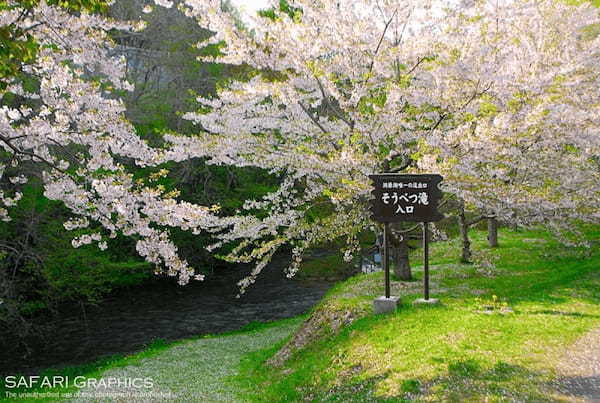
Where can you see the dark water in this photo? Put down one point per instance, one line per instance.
(128, 321)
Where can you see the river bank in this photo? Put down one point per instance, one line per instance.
(129, 320)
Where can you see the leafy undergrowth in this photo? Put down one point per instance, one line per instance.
(503, 324)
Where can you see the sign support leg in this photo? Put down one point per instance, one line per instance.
(386, 258)
(426, 260)
(386, 303)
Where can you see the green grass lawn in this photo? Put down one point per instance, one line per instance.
(503, 325)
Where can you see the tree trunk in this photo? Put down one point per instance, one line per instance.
(401, 262)
(492, 232)
(464, 235)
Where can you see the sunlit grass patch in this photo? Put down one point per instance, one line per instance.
(504, 323)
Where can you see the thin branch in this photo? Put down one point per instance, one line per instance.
(475, 94)
(16, 150)
(439, 121)
(399, 40)
(33, 26)
(64, 148)
(387, 24)
(314, 119)
(416, 65)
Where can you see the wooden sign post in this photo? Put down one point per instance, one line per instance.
(402, 197)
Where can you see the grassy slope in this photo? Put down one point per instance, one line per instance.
(450, 352)
(456, 351)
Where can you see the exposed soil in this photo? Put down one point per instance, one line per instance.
(129, 320)
(579, 371)
(323, 320)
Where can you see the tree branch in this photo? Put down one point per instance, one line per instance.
(314, 119)
(387, 24)
(16, 150)
(338, 113)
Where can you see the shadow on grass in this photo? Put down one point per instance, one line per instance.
(583, 387)
(562, 313)
(465, 380)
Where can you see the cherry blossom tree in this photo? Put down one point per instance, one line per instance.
(500, 99)
(61, 118)
(342, 90)
(527, 151)
(348, 88)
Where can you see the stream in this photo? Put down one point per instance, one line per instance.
(128, 320)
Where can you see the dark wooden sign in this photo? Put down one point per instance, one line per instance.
(404, 197)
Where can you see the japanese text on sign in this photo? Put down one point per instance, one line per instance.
(400, 185)
(394, 199)
(406, 197)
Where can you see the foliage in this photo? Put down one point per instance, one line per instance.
(64, 124)
(17, 47)
(294, 109)
(64, 94)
